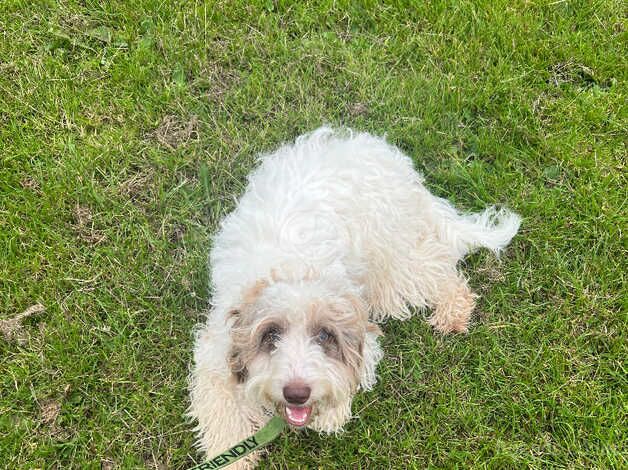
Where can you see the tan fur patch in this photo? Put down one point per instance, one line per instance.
(251, 295)
(374, 328)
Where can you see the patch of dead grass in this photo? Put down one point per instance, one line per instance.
(49, 411)
(30, 184)
(216, 81)
(358, 109)
(174, 132)
(84, 226)
(107, 464)
(13, 330)
(137, 186)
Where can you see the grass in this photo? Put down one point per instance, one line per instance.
(127, 130)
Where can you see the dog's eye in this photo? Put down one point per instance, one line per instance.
(270, 336)
(324, 336)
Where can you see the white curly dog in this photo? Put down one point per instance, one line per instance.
(334, 234)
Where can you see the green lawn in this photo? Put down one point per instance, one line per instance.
(127, 131)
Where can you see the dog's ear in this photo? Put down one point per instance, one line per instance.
(241, 318)
(237, 366)
(351, 349)
(363, 359)
(239, 345)
(350, 320)
(372, 354)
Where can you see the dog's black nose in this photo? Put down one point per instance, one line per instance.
(296, 394)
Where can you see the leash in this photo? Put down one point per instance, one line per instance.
(258, 440)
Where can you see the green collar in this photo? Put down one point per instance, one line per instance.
(258, 440)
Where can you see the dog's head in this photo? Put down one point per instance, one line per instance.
(299, 350)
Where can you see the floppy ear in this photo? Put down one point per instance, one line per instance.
(353, 327)
(236, 353)
(241, 317)
(372, 354)
(351, 346)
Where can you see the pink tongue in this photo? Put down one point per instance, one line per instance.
(298, 415)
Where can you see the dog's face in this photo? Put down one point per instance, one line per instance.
(298, 351)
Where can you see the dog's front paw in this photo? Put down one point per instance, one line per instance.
(450, 324)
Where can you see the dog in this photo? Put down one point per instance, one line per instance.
(335, 233)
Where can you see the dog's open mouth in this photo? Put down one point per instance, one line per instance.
(298, 415)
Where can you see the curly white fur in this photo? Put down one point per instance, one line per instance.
(334, 228)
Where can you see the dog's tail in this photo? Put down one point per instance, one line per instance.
(493, 228)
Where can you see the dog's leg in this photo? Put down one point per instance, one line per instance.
(438, 285)
(452, 306)
(425, 277)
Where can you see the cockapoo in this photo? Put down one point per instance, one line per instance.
(334, 234)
